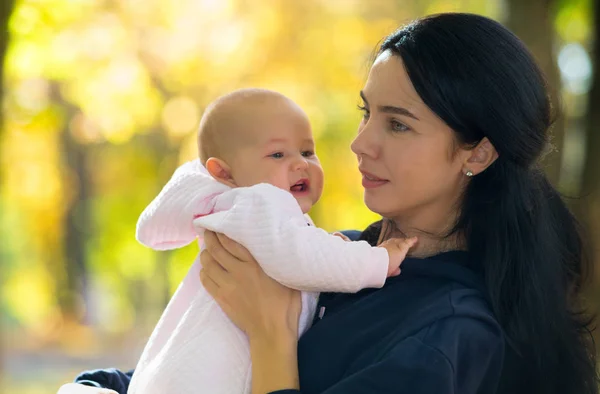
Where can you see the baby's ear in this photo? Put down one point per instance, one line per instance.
(219, 170)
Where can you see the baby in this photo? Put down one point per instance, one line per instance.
(256, 178)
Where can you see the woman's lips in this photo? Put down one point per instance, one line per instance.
(370, 181)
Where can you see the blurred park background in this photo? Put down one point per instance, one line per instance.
(100, 102)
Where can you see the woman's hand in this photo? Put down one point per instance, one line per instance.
(257, 304)
(264, 309)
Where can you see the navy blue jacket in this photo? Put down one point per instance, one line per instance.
(428, 330)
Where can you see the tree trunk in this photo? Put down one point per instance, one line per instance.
(532, 21)
(6, 7)
(72, 277)
(76, 230)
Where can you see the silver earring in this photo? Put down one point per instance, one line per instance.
(469, 173)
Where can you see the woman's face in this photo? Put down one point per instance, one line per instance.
(405, 152)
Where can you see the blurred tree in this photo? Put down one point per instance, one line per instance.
(76, 221)
(539, 38)
(6, 8)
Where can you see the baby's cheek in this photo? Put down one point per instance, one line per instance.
(252, 175)
(316, 191)
(318, 181)
(279, 181)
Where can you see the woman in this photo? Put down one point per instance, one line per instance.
(456, 117)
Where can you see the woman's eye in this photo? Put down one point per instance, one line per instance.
(277, 155)
(365, 110)
(308, 153)
(398, 126)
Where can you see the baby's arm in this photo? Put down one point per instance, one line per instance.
(269, 222)
(166, 223)
(397, 249)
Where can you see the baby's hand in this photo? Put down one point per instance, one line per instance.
(397, 249)
(74, 388)
(342, 236)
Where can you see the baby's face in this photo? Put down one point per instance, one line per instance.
(281, 151)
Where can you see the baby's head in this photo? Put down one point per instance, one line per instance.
(253, 136)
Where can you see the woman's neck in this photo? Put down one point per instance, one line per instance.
(432, 240)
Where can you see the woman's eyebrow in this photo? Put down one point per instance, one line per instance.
(391, 109)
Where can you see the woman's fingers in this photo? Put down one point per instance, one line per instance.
(212, 268)
(210, 285)
(228, 253)
(254, 302)
(217, 251)
(234, 248)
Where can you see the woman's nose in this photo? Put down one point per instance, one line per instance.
(364, 144)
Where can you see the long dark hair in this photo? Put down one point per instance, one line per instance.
(483, 82)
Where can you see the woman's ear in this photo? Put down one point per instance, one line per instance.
(480, 157)
(219, 170)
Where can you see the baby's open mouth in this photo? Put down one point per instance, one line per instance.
(301, 186)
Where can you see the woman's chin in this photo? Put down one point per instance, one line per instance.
(375, 205)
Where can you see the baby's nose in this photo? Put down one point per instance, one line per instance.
(300, 164)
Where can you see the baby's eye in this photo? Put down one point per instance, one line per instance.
(308, 153)
(277, 155)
